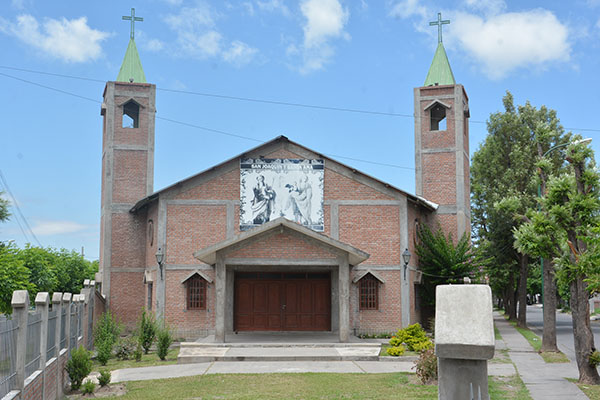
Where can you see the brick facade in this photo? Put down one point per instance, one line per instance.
(203, 211)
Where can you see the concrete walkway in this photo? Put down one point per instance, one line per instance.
(544, 381)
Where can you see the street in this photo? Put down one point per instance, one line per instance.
(564, 329)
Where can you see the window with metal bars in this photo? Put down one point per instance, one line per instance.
(196, 293)
(369, 293)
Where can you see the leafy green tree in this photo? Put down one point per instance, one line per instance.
(570, 218)
(503, 188)
(13, 276)
(4, 213)
(441, 261)
(39, 262)
(71, 269)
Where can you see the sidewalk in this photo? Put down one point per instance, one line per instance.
(544, 381)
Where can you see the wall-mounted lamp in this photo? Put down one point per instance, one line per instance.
(406, 258)
(160, 257)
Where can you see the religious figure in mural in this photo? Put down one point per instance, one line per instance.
(300, 200)
(263, 201)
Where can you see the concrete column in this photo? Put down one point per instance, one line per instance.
(57, 305)
(85, 315)
(20, 306)
(220, 285)
(405, 282)
(344, 297)
(42, 300)
(66, 303)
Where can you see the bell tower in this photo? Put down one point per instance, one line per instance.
(127, 176)
(442, 143)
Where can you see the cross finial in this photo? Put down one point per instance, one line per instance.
(439, 23)
(132, 18)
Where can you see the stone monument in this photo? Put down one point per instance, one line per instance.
(464, 340)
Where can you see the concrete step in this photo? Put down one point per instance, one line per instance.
(202, 352)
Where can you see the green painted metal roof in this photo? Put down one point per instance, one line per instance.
(132, 66)
(440, 72)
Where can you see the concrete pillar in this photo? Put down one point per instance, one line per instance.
(57, 305)
(66, 304)
(464, 340)
(85, 316)
(92, 310)
(344, 297)
(220, 285)
(20, 306)
(42, 301)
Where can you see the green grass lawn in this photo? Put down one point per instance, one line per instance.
(591, 391)
(384, 347)
(306, 386)
(148, 360)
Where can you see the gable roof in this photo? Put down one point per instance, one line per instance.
(208, 255)
(282, 139)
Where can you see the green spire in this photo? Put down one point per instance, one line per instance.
(440, 72)
(131, 69)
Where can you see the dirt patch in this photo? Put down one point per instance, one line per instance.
(117, 389)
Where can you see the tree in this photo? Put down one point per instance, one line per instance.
(441, 261)
(4, 213)
(503, 189)
(40, 264)
(71, 269)
(13, 276)
(570, 218)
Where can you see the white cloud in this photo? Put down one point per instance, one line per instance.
(197, 36)
(506, 42)
(69, 40)
(408, 8)
(239, 53)
(154, 45)
(249, 8)
(325, 20)
(18, 4)
(43, 228)
(272, 6)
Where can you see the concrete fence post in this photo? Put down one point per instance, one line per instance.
(66, 304)
(42, 301)
(80, 318)
(85, 316)
(57, 305)
(20, 306)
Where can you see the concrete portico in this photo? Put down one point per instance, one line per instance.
(303, 251)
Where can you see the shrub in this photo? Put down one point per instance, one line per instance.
(78, 367)
(595, 359)
(125, 348)
(395, 341)
(137, 354)
(104, 378)
(426, 367)
(106, 334)
(103, 351)
(88, 387)
(396, 350)
(164, 340)
(147, 328)
(414, 337)
(107, 329)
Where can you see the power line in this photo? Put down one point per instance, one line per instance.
(264, 101)
(16, 205)
(218, 131)
(19, 222)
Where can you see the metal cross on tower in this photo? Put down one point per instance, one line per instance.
(132, 18)
(439, 23)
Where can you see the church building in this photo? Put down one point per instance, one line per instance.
(281, 237)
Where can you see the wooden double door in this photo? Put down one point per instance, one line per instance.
(268, 301)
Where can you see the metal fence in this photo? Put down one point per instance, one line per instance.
(8, 354)
(63, 326)
(32, 356)
(52, 322)
(29, 338)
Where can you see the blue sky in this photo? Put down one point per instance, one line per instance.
(360, 55)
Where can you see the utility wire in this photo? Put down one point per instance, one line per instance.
(255, 100)
(16, 205)
(19, 221)
(221, 132)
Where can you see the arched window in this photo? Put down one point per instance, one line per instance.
(369, 292)
(438, 118)
(131, 115)
(196, 293)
